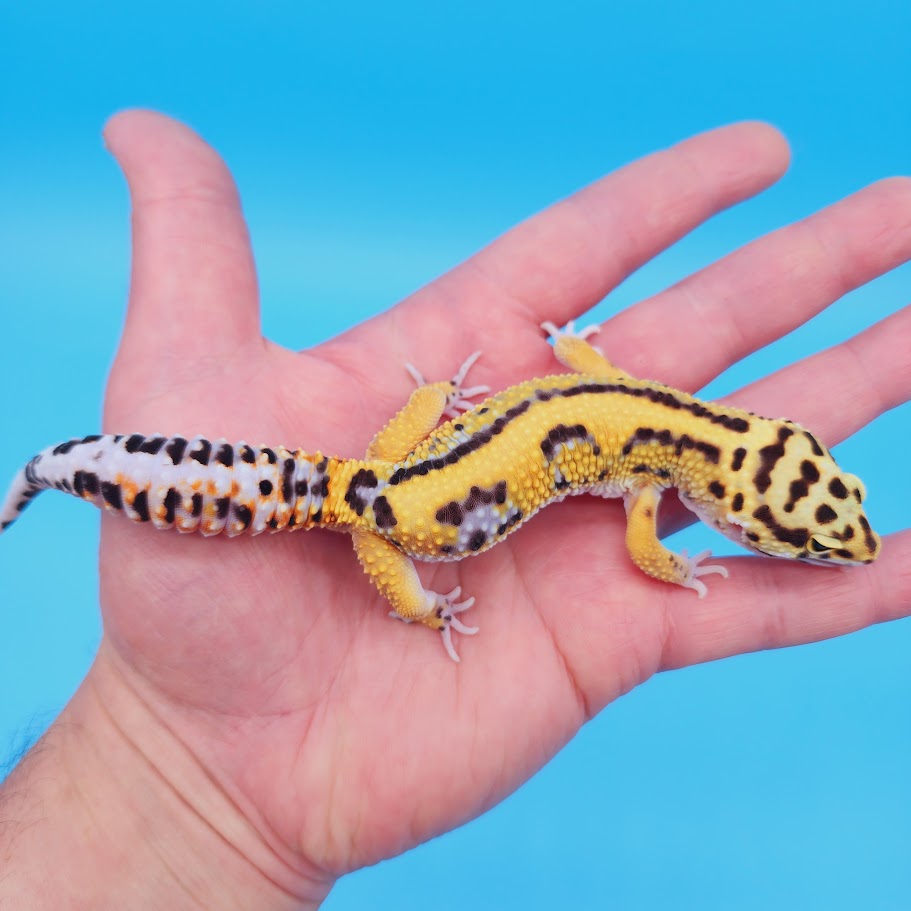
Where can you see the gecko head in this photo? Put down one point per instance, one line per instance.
(815, 514)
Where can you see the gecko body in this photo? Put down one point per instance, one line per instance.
(430, 491)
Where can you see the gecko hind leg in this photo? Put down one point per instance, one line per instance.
(394, 574)
(572, 350)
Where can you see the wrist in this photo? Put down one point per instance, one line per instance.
(110, 809)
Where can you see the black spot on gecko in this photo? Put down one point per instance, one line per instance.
(737, 461)
(450, 514)
(112, 494)
(737, 502)
(171, 502)
(814, 445)
(477, 540)
(244, 515)
(140, 506)
(825, 514)
(247, 454)
(838, 489)
(383, 514)
(869, 540)
(270, 455)
(176, 449)
(64, 448)
(716, 489)
(364, 478)
(225, 455)
(134, 442)
(196, 505)
(90, 483)
(221, 507)
(265, 487)
(153, 445)
(797, 537)
(203, 453)
(769, 456)
(78, 484)
(300, 488)
(287, 486)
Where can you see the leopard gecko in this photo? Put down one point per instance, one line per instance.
(428, 492)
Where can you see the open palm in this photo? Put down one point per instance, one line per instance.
(342, 736)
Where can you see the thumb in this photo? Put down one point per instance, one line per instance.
(193, 289)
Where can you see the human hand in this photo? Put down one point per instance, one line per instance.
(327, 737)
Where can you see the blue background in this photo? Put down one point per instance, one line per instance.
(375, 146)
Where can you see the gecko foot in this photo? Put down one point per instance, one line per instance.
(554, 332)
(457, 400)
(442, 616)
(695, 570)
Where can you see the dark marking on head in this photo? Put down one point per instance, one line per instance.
(848, 533)
(797, 537)
(814, 444)
(825, 514)
(752, 536)
(225, 455)
(809, 472)
(869, 538)
(171, 501)
(265, 487)
(857, 495)
(737, 460)
(140, 506)
(737, 502)
(838, 489)
(844, 553)
(769, 457)
(716, 489)
(383, 514)
(176, 449)
(111, 494)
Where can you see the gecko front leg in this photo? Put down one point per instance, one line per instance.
(650, 555)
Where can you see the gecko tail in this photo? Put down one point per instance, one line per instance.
(23, 490)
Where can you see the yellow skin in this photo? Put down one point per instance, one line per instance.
(767, 484)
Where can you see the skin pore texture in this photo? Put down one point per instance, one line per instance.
(254, 726)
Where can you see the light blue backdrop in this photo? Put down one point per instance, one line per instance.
(375, 146)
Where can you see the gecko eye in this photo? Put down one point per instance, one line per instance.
(821, 543)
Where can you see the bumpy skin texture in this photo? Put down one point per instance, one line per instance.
(462, 487)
